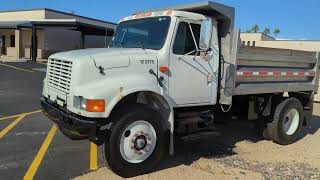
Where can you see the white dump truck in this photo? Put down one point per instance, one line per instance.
(170, 73)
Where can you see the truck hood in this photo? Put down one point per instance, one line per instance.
(105, 57)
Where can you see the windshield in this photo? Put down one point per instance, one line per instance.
(146, 33)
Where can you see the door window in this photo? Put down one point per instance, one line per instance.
(184, 43)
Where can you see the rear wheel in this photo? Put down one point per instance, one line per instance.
(138, 141)
(287, 122)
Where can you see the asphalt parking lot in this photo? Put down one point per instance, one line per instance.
(31, 146)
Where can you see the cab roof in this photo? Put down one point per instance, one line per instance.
(224, 14)
(163, 13)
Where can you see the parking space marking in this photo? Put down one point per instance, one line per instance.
(12, 125)
(93, 156)
(37, 160)
(28, 113)
(21, 69)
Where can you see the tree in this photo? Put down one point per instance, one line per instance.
(248, 31)
(276, 31)
(255, 28)
(266, 31)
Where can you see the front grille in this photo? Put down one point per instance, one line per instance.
(59, 74)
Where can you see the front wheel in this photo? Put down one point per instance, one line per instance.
(138, 141)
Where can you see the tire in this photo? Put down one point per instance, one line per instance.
(287, 122)
(119, 158)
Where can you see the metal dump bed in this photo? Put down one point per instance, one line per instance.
(268, 70)
(259, 70)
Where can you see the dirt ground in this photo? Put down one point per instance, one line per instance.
(237, 153)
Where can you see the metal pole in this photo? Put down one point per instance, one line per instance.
(82, 40)
(34, 43)
(105, 39)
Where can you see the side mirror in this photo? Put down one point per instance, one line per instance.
(205, 34)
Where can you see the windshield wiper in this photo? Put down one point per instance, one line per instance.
(124, 33)
(141, 44)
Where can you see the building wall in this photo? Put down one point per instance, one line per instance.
(50, 40)
(8, 50)
(263, 40)
(256, 37)
(25, 43)
(96, 41)
(59, 39)
(22, 15)
(250, 36)
(296, 45)
(7, 34)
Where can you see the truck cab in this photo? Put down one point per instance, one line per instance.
(159, 65)
(154, 58)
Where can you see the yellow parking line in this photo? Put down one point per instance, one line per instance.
(21, 69)
(28, 113)
(93, 157)
(10, 126)
(37, 160)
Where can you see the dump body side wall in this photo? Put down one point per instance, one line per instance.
(269, 70)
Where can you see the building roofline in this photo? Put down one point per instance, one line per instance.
(61, 12)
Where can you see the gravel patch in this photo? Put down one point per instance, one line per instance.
(272, 170)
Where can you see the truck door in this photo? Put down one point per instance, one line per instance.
(191, 79)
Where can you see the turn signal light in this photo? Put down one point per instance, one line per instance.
(163, 69)
(95, 105)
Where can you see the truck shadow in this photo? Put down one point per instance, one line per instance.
(222, 143)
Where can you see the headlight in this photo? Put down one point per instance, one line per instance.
(79, 102)
(89, 105)
(83, 103)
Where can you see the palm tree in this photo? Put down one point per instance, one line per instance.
(266, 31)
(276, 31)
(255, 28)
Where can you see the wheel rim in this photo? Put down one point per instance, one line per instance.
(291, 121)
(138, 141)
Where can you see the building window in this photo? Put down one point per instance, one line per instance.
(248, 43)
(184, 43)
(12, 41)
(243, 43)
(253, 43)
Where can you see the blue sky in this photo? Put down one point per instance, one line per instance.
(297, 19)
